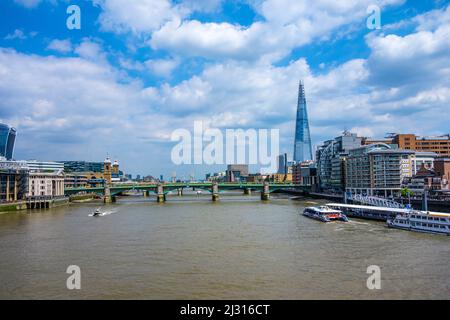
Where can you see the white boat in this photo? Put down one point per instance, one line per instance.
(324, 214)
(430, 222)
(96, 213)
(368, 212)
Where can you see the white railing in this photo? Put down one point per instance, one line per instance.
(375, 201)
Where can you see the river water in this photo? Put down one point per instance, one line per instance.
(192, 248)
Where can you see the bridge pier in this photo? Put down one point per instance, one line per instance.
(215, 191)
(265, 193)
(146, 194)
(108, 198)
(180, 192)
(160, 197)
(247, 191)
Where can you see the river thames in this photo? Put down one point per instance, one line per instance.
(192, 248)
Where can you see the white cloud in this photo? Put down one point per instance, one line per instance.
(90, 50)
(135, 15)
(17, 34)
(28, 3)
(288, 24)
(162, 67)
(62, 46)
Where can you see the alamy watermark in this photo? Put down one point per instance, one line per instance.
(374, 20)
(237, 146)
(74, 20)
(374, 280)
(73, 282)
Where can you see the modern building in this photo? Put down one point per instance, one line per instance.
(237, 173)
(305, 173)
(436, 144)
(378, 169)
(45, 166)
(302, 144)
(7, 139)
(282, 164)
(82, 166)
(13, 180)
(331, 158)
(75, 180)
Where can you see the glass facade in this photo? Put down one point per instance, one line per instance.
(7, 139)
(82, 166)
(302, 147)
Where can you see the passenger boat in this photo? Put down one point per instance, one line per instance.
(368, 212)
(421, 221)
(324, 214)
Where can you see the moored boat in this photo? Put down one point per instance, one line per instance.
(422, 221)
(324, 214)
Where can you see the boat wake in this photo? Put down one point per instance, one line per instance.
(106, 213)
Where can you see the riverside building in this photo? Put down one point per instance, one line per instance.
(13, 180)
(378, 169)
(435, 144)
(331, 160)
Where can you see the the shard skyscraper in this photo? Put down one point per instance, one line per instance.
(302, 148)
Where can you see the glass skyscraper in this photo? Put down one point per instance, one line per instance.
(302, 147)
(7, 138)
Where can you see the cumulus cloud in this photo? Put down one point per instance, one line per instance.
(273, 38)
(62, 46)
(162, 67)
(17, 34)
(28, 3)
(135, 15)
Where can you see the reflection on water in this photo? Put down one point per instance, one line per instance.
(192, 248)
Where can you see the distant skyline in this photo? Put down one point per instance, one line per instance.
(139, 69)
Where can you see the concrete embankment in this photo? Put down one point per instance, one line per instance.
(13, 207)
(43, 204)
(82, 198)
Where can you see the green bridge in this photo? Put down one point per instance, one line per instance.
(161, 190)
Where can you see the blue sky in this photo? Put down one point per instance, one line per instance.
(137, 70)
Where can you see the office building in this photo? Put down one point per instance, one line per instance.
(436, 144)
(13, 180)
(378, 169)
(7, 139)
(302, 144)
(237, 173)
(82, 166)
(305, 174)
(282, 164)
(75, 180)
(331, 158)
(45, 166)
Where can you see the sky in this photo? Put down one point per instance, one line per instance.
(137, 70)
